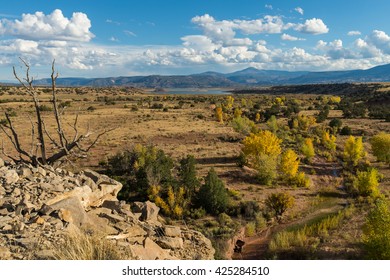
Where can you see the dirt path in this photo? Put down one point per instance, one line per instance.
(255, 247)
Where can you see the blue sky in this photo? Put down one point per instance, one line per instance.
(90, 38)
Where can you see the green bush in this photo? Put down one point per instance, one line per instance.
(213, 195)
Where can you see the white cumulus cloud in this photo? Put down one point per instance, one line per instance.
(54, 26)
(299, 10)
(354, 33)
(287, 37)
(312, 26)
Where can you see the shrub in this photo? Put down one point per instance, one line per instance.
(278, 203)
(346, 130)
(243, 125)
(250, 229)
(336, 124)
(301, 180)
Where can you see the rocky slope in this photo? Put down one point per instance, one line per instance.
(39, 206)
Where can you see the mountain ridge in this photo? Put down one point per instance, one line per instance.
(243, 78)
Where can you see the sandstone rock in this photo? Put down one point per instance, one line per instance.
(71, 211)
(170, 242)
(16, 192)
(44, 255)
(41, 171)
(83, 194)
(5, 253)
(150, 212)
(112, 204)
(172, 231)
(3, 211)
(150, 251)
(66, 216)
(45, 210)
(112, 217)
(92, 175)
(10, 176)
(136, 231)
(2, 163)
(25, 172)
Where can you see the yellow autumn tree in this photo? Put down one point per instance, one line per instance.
(219, 114)
(329, 141)
(307, 149)
(366, 182)
(257, 117)
(262, 150)
(289, 164)
(263, 142)
(229, 102)
(353, 151)
(173, 204)
(237, 112)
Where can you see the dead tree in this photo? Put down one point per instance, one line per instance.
(63, 146)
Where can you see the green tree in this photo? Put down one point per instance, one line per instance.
(188, 176)
(380, 145)
(213, 196)
(376, 231)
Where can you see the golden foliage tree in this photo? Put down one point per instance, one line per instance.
(380, 145)
(262, 150)
(366, 183)
(263, 142)
(307, 149)
(219, 114)
(329, 141)
(289, 164)
(229, 102)
(353, 151)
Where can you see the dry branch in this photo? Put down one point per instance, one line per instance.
(62, 146)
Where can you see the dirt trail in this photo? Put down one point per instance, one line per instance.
(255, 247)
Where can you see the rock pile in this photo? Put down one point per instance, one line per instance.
(38, 206)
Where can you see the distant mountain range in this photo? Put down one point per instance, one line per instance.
(244, 78)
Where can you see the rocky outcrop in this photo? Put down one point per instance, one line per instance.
(38, 206)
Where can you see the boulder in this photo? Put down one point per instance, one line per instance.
(172, 231)
(71, 211)
(10, 176)
(173, 243)
(150, 251)
(150, 212)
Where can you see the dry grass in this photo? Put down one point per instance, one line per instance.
(83, 246)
